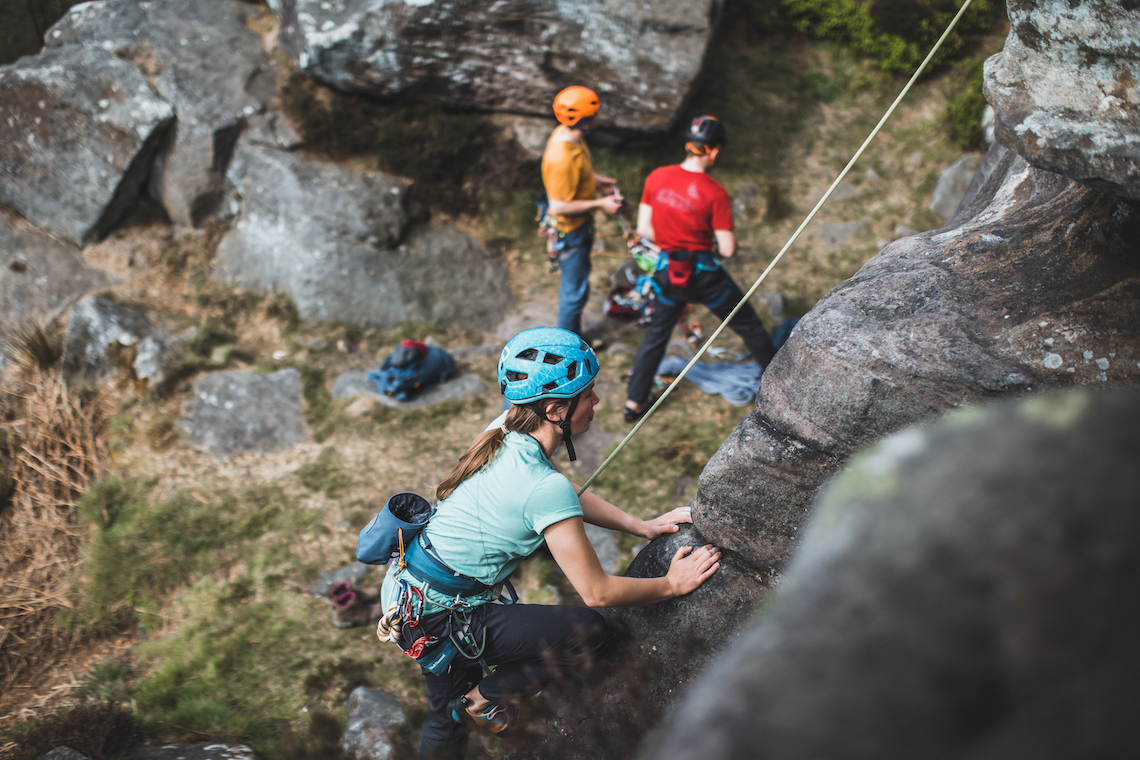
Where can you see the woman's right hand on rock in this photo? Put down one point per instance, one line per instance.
(691, 567)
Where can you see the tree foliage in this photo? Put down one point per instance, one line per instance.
(897, 33)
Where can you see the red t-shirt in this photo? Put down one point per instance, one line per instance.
(687, 207)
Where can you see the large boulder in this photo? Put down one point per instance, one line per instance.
(1034, 285)
(336, 239)
(79, 129)
(642, 56)
(965, 590)
(675, 640)
(234, 412)
(96, 324)
(40, 276)
(372, 717)
(1066, 90)
(952, 185)
(652, 654)
(201, 58)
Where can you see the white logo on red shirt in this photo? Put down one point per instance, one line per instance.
(667, 196)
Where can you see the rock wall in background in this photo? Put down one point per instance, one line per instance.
(1035, 284)
(201, 58)
(1066, 90)
(643, 58)
(79, 130)
(339, 242)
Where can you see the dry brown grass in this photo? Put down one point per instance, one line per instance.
(56, 444)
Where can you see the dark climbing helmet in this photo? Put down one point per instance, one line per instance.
(545, 363)
(705, 133)
(574, 104)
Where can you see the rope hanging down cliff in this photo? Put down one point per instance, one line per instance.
(795, 236)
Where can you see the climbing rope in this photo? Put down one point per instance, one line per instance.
(795, 236)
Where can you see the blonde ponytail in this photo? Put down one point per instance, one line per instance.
(520, 419)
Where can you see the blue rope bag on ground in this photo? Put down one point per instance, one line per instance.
(412, 367)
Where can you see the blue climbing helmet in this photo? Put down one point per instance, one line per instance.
(545, 363)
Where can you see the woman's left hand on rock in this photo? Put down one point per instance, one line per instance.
(667, 523)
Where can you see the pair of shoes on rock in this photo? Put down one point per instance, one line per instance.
(493, 718)
(344, 595)
(362, 614)
(353, 607)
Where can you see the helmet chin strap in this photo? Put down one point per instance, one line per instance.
(563, 424)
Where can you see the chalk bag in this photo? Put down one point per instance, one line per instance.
(380, 540)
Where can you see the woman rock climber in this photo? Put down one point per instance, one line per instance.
(500, 503)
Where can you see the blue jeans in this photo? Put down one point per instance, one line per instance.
(574, 261)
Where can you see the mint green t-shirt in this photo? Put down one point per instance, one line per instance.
(495, 519)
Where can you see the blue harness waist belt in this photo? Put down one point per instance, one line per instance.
(427, 568)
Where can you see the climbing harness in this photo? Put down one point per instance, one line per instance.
(642, 249)
(403, 614)
(791, 241)
(547, 229)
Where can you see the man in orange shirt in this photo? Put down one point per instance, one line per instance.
(571, 184)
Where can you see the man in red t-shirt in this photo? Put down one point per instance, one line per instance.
(688, 215)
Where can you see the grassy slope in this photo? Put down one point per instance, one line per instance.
(219, 643)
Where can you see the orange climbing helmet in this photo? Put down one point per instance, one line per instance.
(574, 104)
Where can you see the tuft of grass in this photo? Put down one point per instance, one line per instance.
(102, 731)
(211, 349)
(324, 475)
(242, 667)
(55, 446)
(107, 681)
(283, 309)
(962, 118)
(140, 552)
(33, 348)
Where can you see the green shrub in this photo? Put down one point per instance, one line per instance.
(896, 33)
(244, 664)
(98, 731)
(963, 115)
(139, 553)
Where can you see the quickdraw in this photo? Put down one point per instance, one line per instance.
(388, 628)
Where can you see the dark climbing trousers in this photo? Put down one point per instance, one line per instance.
(531, 644)
(717, 291)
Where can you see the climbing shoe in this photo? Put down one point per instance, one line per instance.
(493, 718)
(631, 416)
(360, 614)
